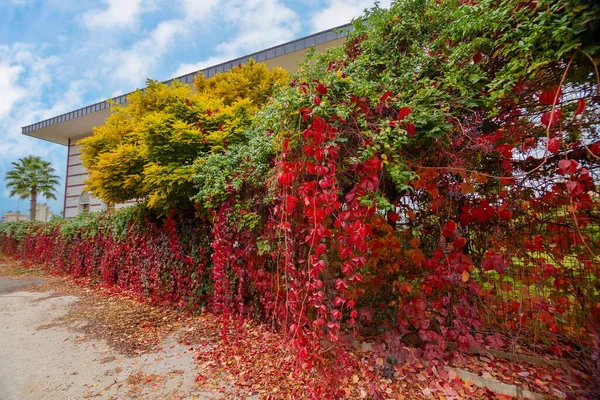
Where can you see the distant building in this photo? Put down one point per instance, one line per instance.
(42, 213)
(14, 217)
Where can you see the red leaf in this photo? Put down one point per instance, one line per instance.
(547, 96)
(290, 204)
(393, 217)
(336, 314)
(493, 262)
(405, 288)
(338, 301)
(567, 166)
(553, 145)
(410, 128)
(549, 269)
(321, 248)
(385, 96)
(317, 100)
(403, 113)
(347, 268)
(286, 178)
(321, 89)
(550, 119)
(306, 112)
(341, 284)
(370, 183)
(503, 212)
(449, 228)
(574, 187)
(580, 106)
(477, 57)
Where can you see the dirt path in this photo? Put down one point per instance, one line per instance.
(40, 359)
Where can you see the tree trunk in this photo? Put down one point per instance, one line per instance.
(33, 205)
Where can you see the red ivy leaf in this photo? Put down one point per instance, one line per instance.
(574, 187)
(553, 145)
(580, 106)
(336, 314)
(340, 285)
(567, 166)
(290, 204)
(338, 301)
(493, 262)
(449, 228)
(405, 288)
(504, 213)
(370, 183)
(547, 96)
(321, 249)
(286, 178)
(550, 119)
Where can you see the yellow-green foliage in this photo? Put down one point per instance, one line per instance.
(253, 81)
(148, 149)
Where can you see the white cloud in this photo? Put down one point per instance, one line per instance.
(11, 93)
(134, 65)
(198, 10)
(340, 12)
(23, 73)
(117, 14)
(258, 24)
(26, 76)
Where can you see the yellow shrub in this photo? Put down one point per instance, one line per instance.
(146, 150)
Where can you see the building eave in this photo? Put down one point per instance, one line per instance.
(80, 122)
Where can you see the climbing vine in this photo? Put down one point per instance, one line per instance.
(432, 181)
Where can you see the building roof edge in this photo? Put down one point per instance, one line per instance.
(260, 56)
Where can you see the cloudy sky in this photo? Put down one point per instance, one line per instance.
(59, 55)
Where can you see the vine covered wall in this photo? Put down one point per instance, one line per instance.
(435, 177)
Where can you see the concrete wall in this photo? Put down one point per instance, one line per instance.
(75, 184)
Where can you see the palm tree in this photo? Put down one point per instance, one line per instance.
(30, 177)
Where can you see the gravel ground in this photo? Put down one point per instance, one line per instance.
(43, 359)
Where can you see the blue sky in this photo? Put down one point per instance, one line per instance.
(59, 55)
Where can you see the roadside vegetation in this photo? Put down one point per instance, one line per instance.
(432, 182)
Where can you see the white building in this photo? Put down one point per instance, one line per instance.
(15, 216)
(42, 213)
